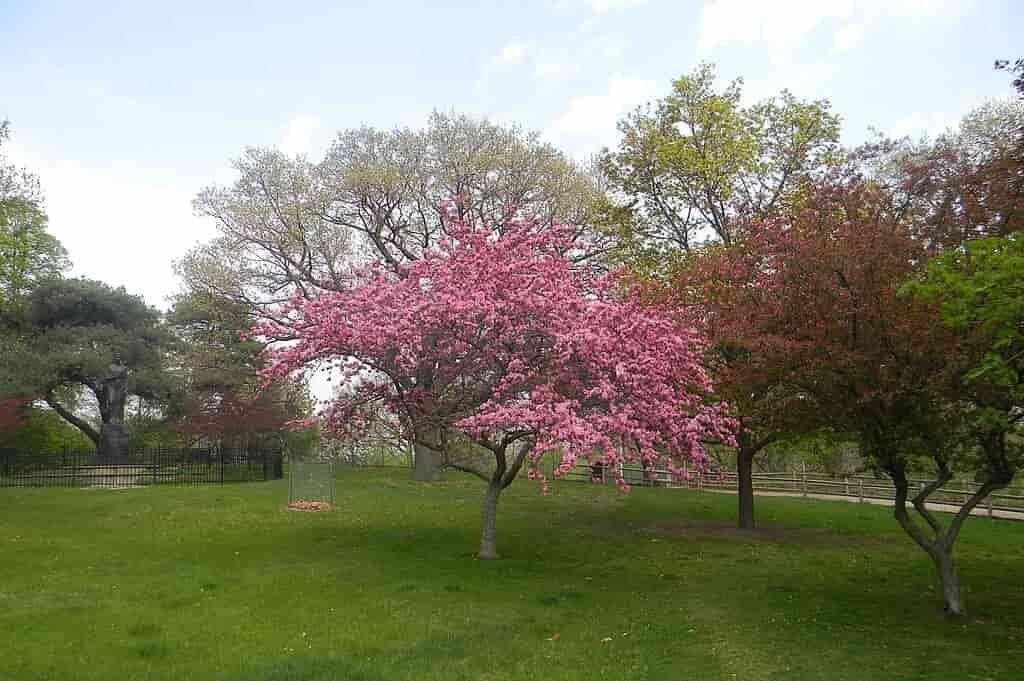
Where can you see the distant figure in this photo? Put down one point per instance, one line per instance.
(597, 470)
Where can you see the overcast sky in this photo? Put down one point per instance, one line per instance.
(127, 110)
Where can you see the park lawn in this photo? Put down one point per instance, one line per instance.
(221, 582)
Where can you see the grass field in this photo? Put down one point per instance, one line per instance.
(223, 583)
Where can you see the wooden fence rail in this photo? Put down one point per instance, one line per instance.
(806, 484)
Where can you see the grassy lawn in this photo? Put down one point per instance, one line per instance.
(223, 583)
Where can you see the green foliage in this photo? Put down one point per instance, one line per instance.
(44, 431)
(697, 165)
(75, 329)
(75, 335)
(212, 353)
(27, 251)
(149, 428)
(289, 225)
(980, 287)
(220, 396)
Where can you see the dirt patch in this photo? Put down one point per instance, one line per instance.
(776, 534)
(301, 505)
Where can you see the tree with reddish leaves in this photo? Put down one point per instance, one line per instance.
(219, 399)
(234, 420)
(12, 415)
(820, 294)
(767, 405)
(497, 339)
(967, 183)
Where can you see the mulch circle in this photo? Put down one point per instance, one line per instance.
(301, 505)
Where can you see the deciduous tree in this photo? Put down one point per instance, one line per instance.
(825, 283)
(495, 336)
(697, 164)
(82, 334)
(27, 251)
(697, 168)
(218, 398)
(288, 225)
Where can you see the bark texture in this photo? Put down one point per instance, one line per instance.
(505, 471)
(426, 463)
(938, 540)
(489, 524)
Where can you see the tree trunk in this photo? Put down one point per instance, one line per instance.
(951, 596)
(426, 463)
(489, 517)
(745, 485)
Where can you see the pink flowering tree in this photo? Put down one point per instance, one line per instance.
(499, 339)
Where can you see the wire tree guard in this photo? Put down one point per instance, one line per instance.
(311, 486)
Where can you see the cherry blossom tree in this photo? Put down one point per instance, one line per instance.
(497, 338)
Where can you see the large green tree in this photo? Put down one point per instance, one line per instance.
(27, 251)
(980, 287)
(219, 397)
(695, 172)
(697, 164)
(81, 335)
(289, 226)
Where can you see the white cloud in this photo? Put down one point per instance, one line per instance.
(589, 122)
(121, 223)
(784, 23)
(602, 6)
(777, 23)
(555, 67)
(596, 6)
(928, 123)
(299, 135)
(512, 54)
(847, 38)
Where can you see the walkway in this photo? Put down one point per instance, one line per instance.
(980, 510)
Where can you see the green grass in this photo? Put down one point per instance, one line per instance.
(223, 583)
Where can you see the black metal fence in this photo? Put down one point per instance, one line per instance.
(136, 469)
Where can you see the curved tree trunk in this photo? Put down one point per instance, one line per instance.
(745, 485)
(489, 518)
(939, 545)
(70, 417)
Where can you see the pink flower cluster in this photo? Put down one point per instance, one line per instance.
(497, 334)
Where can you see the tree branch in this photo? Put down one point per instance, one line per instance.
(468, 469)
(82, 425)
(965, 510)
(517, 464)
(919, 500)
(899, 479)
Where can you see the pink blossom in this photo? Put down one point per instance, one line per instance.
(497, 334)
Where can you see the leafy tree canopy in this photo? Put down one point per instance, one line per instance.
(696, 163)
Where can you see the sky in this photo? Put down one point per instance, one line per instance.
(126, 110)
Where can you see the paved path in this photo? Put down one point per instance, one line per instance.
(980, 510)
